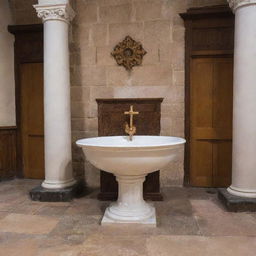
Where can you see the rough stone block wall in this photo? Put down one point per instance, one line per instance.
(98, 26)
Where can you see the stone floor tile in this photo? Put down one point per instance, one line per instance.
(28, 224)
(227, 225)
(14, 237)
(51, 242)
(166, 225)
(6, 207)
(107, 245)
(91, 193)
(25, 182)
(26, 247)
(48, 210)
(189, 221)
(62, 250)
(22, 186)
(26, 207)
(178, 225)
(54, 203)
(178, 207)
(173, 193)
(202, 207)
(12, 196)
(13, 202)
(73, 230)
(253, 214)
(87, 207)
(2, 215)
(215, 221)
(200, 246)
(200, 193)
(5, 186)
(128, 230)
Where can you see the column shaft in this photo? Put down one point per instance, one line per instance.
(57, 118)
(58, 161)
(130, 190)
(244, 106)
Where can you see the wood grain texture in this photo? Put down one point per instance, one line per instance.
(111, 120)
(209, 43)
(32, 119)
(211, 121)
(28, 48)
(7, 152)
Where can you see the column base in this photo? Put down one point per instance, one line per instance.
(235, 203)
(242, 192)
(42, 194)
(58, 184)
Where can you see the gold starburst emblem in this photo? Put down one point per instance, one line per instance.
(128, 53)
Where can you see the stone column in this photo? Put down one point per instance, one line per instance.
(244, 106)
(56, 16)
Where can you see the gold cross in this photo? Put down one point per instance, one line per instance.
(131, 113)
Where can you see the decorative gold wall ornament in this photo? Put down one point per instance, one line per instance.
(128, 53)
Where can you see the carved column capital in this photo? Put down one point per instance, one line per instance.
(62, 12)
(234, 4)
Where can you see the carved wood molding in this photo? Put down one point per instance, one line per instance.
(128, 53)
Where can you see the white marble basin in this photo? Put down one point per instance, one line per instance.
(130, 162)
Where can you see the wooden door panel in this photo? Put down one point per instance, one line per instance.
(32, 116)
(211, 121)
(36, 107)
(222, 159)
(35, 153)
(212, 133)
(202, 85)
(223, 95)
(201, 163)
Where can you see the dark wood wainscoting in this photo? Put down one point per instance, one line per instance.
(7, 152)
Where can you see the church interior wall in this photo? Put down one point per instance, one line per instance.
(98, 26)
(7, 85)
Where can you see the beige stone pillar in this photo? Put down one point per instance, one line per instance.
(244, 106)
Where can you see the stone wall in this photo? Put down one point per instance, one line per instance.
(97, 28)
(99, 25)
(7, 91)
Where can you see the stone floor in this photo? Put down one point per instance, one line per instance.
(190, 222)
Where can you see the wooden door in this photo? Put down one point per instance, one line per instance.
(211, 121)
(32, 120)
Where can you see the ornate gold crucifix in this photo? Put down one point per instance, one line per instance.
(131, 130)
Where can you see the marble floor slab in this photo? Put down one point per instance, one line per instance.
(190, 221)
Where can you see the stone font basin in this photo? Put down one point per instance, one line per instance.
(130, 162)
